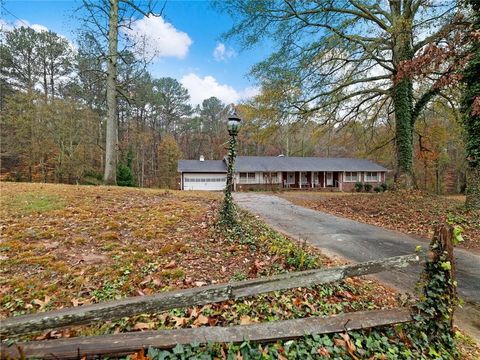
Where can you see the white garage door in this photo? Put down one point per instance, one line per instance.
(204, 181)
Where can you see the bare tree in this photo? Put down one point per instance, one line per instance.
(106, 18)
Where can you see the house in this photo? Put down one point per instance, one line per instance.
(276, 172)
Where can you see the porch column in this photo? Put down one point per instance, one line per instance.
(311, 179)
(324, 180)
(300, 179)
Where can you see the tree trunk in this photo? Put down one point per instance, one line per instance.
(52, 81)
(45, 86)
(402, 102)
(110, 176)
(473, 188)
(402, 96)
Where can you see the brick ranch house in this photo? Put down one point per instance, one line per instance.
(280, 172)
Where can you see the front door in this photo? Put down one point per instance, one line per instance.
(329, 178)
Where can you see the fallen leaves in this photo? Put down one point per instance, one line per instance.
(42, 303)
(410, 212)
(143, 326)
(200, 320)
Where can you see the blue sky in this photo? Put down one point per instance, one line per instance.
(187, 37)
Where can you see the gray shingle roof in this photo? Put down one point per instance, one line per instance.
(280, 163)
(287, 163)
(207, 166)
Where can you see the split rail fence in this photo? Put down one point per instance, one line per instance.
(125, 343)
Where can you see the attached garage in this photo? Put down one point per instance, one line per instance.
(211, 182)
(209, 175)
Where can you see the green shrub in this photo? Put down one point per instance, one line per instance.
(358, 186)
(367, 187)
(124, 176)
(377, 189)
(383, 186)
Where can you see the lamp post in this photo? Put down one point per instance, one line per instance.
(228, 211)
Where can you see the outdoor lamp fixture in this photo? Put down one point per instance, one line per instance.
(233, 123)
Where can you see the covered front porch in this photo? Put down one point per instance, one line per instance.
(312, 180)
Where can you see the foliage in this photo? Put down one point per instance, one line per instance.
(124, 175)
(124, 171)
(358, 186)
(433, 329)
(31, 58)
(52, 141)
(430, 337)
(228, 213)
(367, 187)
(168, 155)
(471, 111)
(144, 244)
(343, 61)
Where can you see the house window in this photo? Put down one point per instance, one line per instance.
(247, 178)
(351, 176)
(304, 178)
(270, 178)
(371, 176)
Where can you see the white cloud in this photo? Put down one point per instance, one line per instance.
(36, 27)
(222, 53)
(249, 92)
(201, 88)
(161, 39)
(4, 26)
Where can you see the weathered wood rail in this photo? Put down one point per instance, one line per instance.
(122, 344)
(113, 310)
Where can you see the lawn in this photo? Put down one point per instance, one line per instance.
(410, 212)
(66, 245)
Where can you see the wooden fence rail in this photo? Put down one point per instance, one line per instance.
(126, 343)
(113, 310)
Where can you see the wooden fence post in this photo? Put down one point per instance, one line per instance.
(442, 259)
(436, 307)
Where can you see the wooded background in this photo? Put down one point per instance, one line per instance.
(54, 108)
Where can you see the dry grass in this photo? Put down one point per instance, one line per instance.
(79, 244)
(65, 245)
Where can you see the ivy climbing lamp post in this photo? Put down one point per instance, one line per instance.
(228, 210)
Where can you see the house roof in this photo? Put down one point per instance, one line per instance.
(280, 163)
(288, 163)
(206, 166)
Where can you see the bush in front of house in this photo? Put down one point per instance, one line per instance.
(383, 186)
(358, 186)
(377, 189)
(367, 187)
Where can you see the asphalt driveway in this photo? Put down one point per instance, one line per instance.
(358, 242)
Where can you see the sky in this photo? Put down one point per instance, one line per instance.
(187, 41)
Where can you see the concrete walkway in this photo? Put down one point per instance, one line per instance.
(358, 242)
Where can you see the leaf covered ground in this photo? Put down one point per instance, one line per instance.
(410, 212)
(66, 245)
